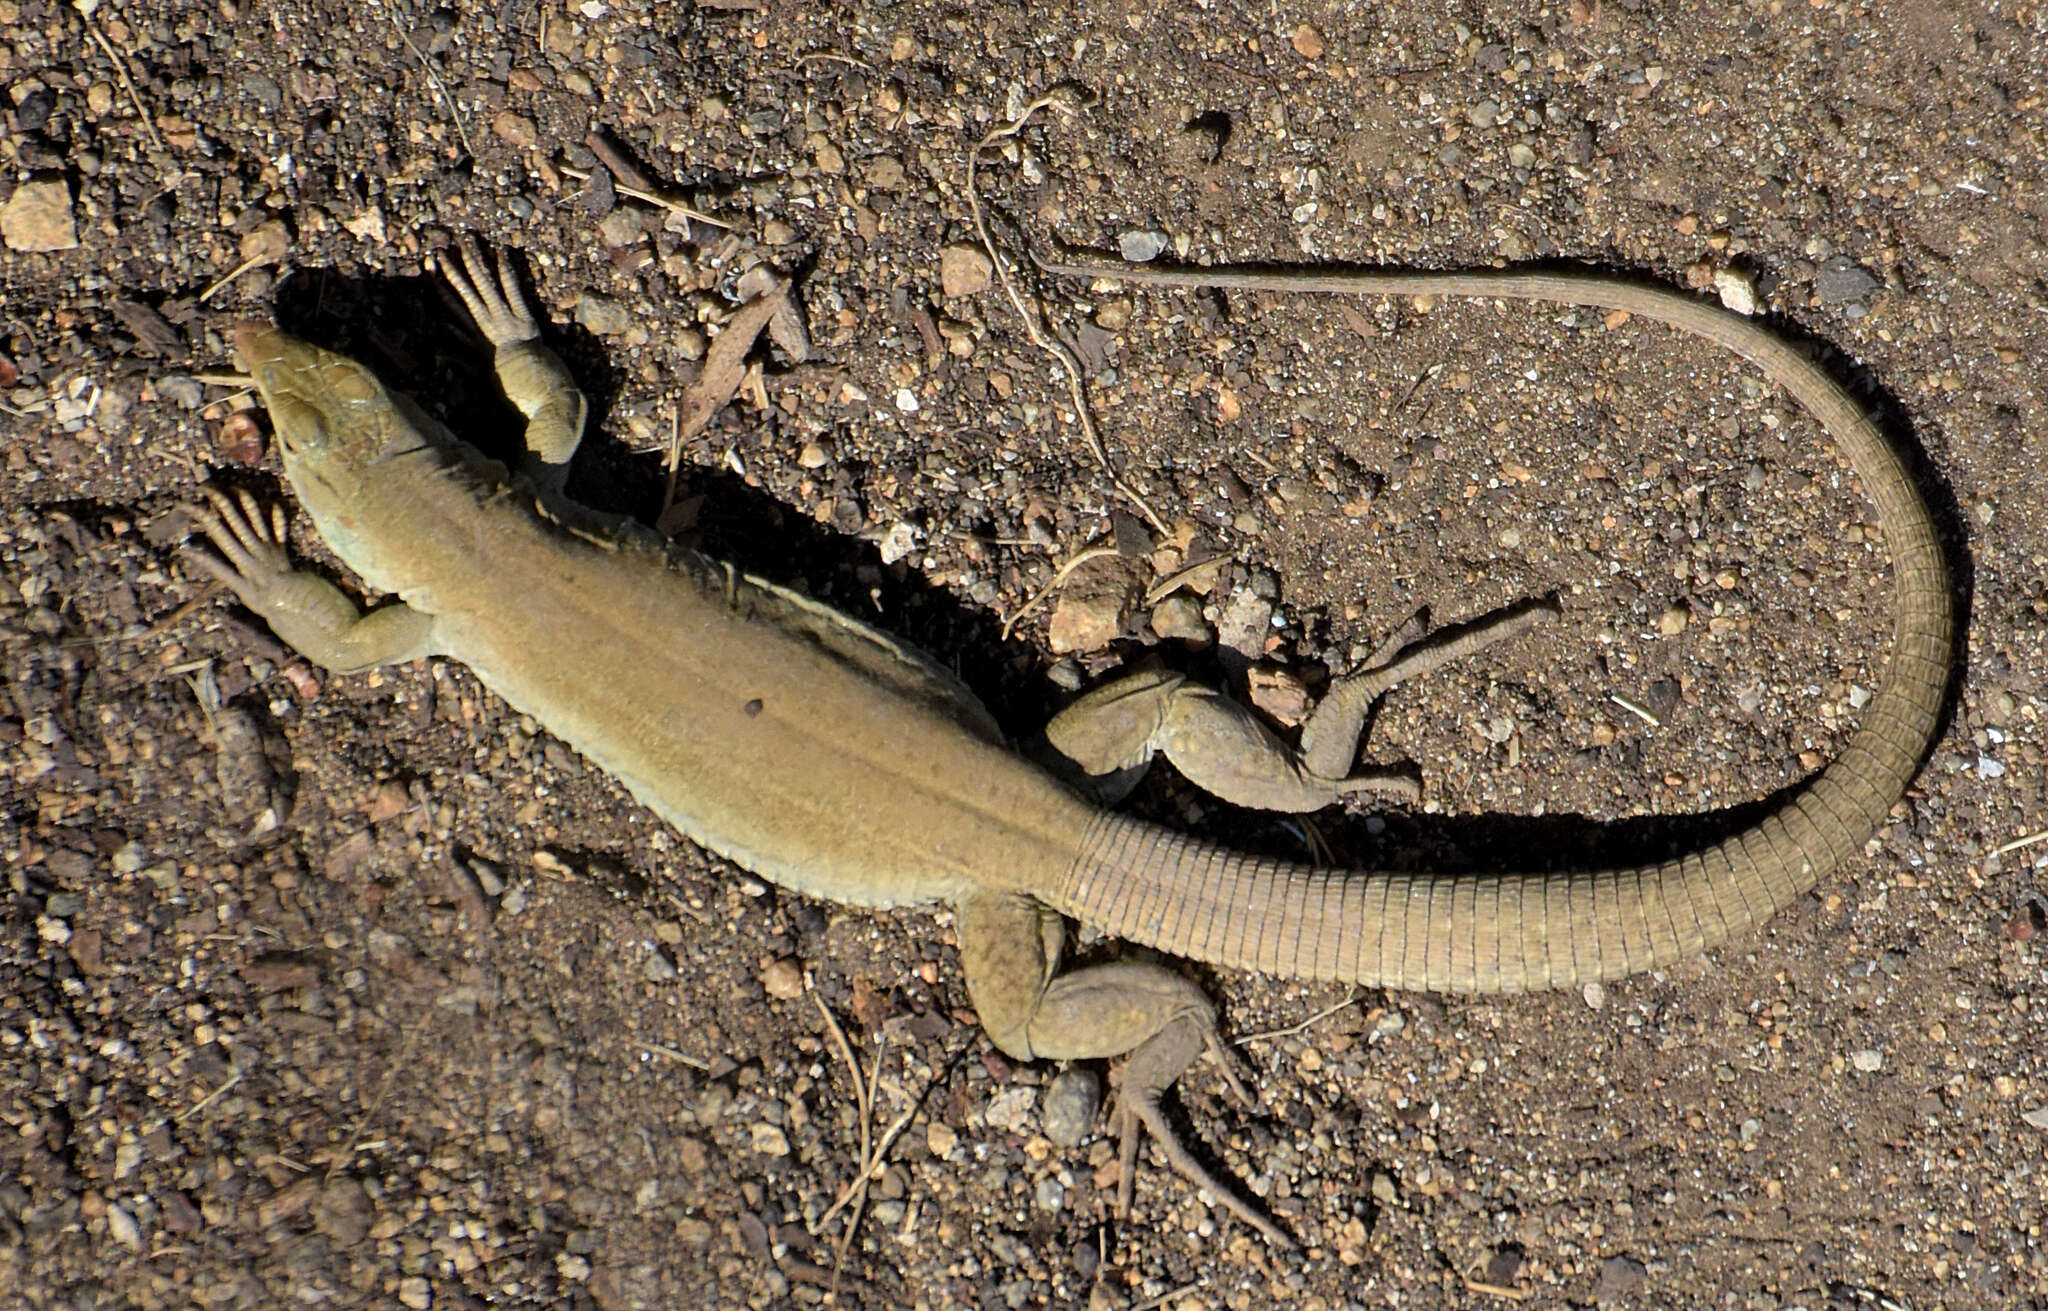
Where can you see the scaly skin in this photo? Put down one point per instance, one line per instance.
(820, 753)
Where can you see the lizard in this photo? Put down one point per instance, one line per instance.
(825, 756)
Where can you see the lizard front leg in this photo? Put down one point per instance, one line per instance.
(308, 612)
(532, 377)
(1010, 947)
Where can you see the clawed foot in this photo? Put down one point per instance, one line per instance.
(248, 554)
(491, 294)
(1138, 1112)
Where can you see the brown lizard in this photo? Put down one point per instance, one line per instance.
(822, 754)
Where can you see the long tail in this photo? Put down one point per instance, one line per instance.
(1467, 932)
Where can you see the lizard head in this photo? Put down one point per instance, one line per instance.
(327, 409)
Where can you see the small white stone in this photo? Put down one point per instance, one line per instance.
(1737, 289)
(123, 1227)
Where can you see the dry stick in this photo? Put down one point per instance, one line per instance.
(454, 110)
(207, 1100)
(355, 1135)
(870, 1165)
(860, 1099)
(1309, 1023)
(1034, 319)
(1639, 712)
(1494, 1290)
(656, 1049)
(2018, 843)
(1066, 570)
(832, 57)
(121, 71)
(1152, 1303)
(660, 199)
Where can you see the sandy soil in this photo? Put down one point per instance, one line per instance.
(363, 991)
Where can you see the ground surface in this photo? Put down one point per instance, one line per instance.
(361, 991)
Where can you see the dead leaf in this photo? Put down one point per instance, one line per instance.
(725, 364)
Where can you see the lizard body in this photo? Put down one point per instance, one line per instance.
(826, 756)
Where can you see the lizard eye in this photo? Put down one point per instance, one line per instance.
(299, 426)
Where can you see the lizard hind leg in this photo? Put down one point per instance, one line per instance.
(1331, 738)
(532, 377)
(1160, 1020)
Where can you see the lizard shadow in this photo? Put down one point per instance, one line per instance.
(417, 338)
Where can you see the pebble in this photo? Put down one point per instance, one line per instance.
(1141, 245)
(1246, 621)
(1179, 618)
(1072, 1102)
(1091, 609)
(602, 315)
(342, 1212)
(1619, 1277)
(899, 543)
(1384, 1190)
(1842, 280)
(964, 270)
(416, 1293)
(1595, 994)
(515, 130)
(1050, 1193)
(940, 1139)
(769, 1140)
(783, 979)
(37, 217)
(1010, 1109)
(1867, 1059)
(122, 1226)
(1737, 290)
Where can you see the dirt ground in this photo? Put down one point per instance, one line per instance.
(364, 991)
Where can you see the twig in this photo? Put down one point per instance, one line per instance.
(2016, 844)
(1639, 712)
(1495, 1290)
(85, 8)
(674, 1055)
(1093, 553)
(1292, 1029)
(828, 56)
(454, 110)
(1034, 319)
(207, 1100)
(862, 1108)
(259, 258)
(665, 200)
(1151, 1303)
(355, 1134)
